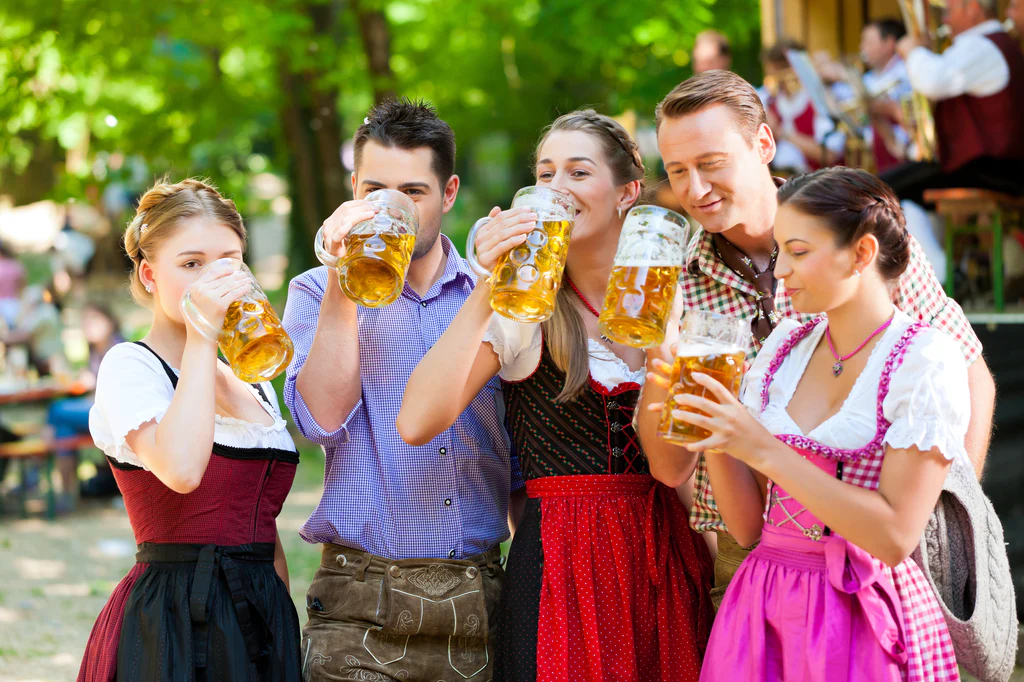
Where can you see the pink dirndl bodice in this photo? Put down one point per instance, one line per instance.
(808, 606)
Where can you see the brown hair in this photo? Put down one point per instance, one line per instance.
(161, 210)
(409, 124)
(715, 87)
(564, 333)
(854, 203)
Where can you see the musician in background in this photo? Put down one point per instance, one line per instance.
(711, 51)
(978, 89)
(887, 80)
(805, 138)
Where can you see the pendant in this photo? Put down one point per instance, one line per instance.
(837, 368)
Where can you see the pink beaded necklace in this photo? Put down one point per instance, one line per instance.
(837, 368)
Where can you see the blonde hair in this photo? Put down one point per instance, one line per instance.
(161, 210)
(564, 332)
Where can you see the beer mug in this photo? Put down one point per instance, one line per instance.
(710, 344)
(525, 280)
(643, 282)
(377, 251)
(252, 339)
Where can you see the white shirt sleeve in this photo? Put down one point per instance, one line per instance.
(928, 404)
(517, 345)
(131, 389)
(972, 65)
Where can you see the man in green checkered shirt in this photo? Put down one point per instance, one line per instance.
(716, 146)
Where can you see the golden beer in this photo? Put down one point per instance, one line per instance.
(637, 304)
(372, 271)
(253, 341)
(642, 286)
(712, 344)
(526, 279)
(251, 338)
(721, 364)
(377, 251)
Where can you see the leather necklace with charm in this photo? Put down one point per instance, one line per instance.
(837, 368)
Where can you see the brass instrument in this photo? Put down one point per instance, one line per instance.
(923, 19)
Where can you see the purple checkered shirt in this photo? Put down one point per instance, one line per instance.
(446, 499)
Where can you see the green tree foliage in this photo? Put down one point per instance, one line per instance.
(199, 87)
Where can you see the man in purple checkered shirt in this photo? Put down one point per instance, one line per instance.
(716, 146)
(410, 534)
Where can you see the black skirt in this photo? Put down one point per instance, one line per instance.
(516, 649)
(209, 613)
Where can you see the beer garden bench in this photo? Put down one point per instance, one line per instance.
(43, 448)
(975, 211)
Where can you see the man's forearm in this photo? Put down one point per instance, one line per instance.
(983, 405)
(329, 380)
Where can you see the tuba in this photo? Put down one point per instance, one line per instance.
(923, 21)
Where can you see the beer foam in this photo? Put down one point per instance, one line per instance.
(698, 347)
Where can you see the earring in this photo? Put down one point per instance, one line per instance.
(619, 209)
(856, 273)
(149, 289)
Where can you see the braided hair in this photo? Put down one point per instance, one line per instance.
(621, 151)
(854, 203)
(161, 209)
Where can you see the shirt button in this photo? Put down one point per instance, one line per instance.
(443, 451)
(423, 304)
(451, 554)
(448, 503)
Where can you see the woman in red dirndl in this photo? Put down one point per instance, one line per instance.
(606, 582)
(204, 462)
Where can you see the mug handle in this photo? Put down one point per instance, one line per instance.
(471, 249)
(322, 254)
(197, 320)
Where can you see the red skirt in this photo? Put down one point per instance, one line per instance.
(625, 592)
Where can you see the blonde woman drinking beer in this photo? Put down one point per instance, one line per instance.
(204, 462)
(834, 456)
(606, 581)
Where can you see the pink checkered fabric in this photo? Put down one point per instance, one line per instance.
(929, 647)
(708, 284)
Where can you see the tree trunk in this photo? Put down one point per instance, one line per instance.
(373, 26)
(312, 135)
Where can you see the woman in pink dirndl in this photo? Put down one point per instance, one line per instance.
(837, 451)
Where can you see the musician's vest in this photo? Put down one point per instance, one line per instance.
(970, 127)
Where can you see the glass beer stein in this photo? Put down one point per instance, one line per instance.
(643, 282)
(252, 339)
(525, 280)
(377, 251)
(710, 344)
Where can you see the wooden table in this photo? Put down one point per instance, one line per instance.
(38, 394)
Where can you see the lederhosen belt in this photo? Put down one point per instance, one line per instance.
(208, 560)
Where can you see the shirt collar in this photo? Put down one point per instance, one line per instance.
(455, 269)
(982, 29)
